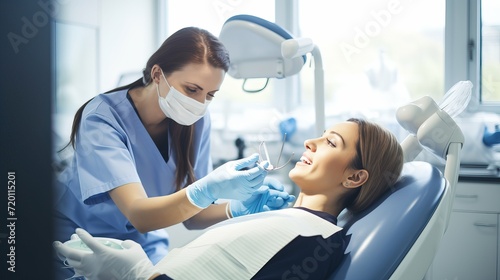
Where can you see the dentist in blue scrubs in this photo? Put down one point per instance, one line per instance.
(142, 155)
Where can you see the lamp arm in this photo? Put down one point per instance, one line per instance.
(411, 148)
(451, 172)
(297, 47)
(319, 90)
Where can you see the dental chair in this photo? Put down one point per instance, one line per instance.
(398, 236)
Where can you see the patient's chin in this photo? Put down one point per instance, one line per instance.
(294, 175)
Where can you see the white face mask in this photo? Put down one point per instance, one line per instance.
(182, 109)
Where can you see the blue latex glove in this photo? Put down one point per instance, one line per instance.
(270, 196)
(278, 198)
(237, 179)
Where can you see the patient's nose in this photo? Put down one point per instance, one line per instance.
(310, 145)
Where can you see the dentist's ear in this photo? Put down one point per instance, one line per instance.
(156, 73)
(356, 179)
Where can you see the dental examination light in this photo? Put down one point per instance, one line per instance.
(431, 126)
(262, 49)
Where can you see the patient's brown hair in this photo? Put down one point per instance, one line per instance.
(379, 153)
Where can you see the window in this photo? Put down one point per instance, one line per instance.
(490, 51)
(377, 55)
(482, 51)
(359, 42)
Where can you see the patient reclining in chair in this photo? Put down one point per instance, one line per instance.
(349, 167)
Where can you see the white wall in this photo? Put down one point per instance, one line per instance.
(126, 38)
(97, 42)
(125, 34)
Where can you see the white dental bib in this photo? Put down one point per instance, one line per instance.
(238, 248)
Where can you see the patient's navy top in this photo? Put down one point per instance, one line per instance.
(113, 148)
(304, 257)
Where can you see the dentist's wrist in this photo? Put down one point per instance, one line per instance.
(197, 196)
(229, 215)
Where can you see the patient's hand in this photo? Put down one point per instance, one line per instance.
(270, 196)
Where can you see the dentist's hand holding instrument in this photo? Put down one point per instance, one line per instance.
(237, 179)
(270, 196)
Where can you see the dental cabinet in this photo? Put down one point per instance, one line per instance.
(470, 248)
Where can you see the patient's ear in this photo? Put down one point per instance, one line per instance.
(357, 178)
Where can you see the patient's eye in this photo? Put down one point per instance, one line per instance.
(331, 143)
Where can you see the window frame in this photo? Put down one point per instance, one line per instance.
(476, 65)
(463, 50)
(286, 14)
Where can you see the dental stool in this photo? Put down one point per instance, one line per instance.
(395, 237)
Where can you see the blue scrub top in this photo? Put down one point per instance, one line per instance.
(113, 148)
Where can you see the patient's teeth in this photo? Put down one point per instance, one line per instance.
(305, 160)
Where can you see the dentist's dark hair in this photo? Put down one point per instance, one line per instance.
(187, 45)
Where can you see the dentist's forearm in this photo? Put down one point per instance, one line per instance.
(159, 212)
(211, 215)
(152, 213)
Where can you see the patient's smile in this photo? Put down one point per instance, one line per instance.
(305, 160)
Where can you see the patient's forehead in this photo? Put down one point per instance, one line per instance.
(348, 131)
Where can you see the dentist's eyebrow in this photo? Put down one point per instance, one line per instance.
(340, 136)
(195, 85)
(200, 88)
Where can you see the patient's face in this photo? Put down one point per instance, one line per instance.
(325, 162)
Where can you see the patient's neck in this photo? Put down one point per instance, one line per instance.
(319, 202)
